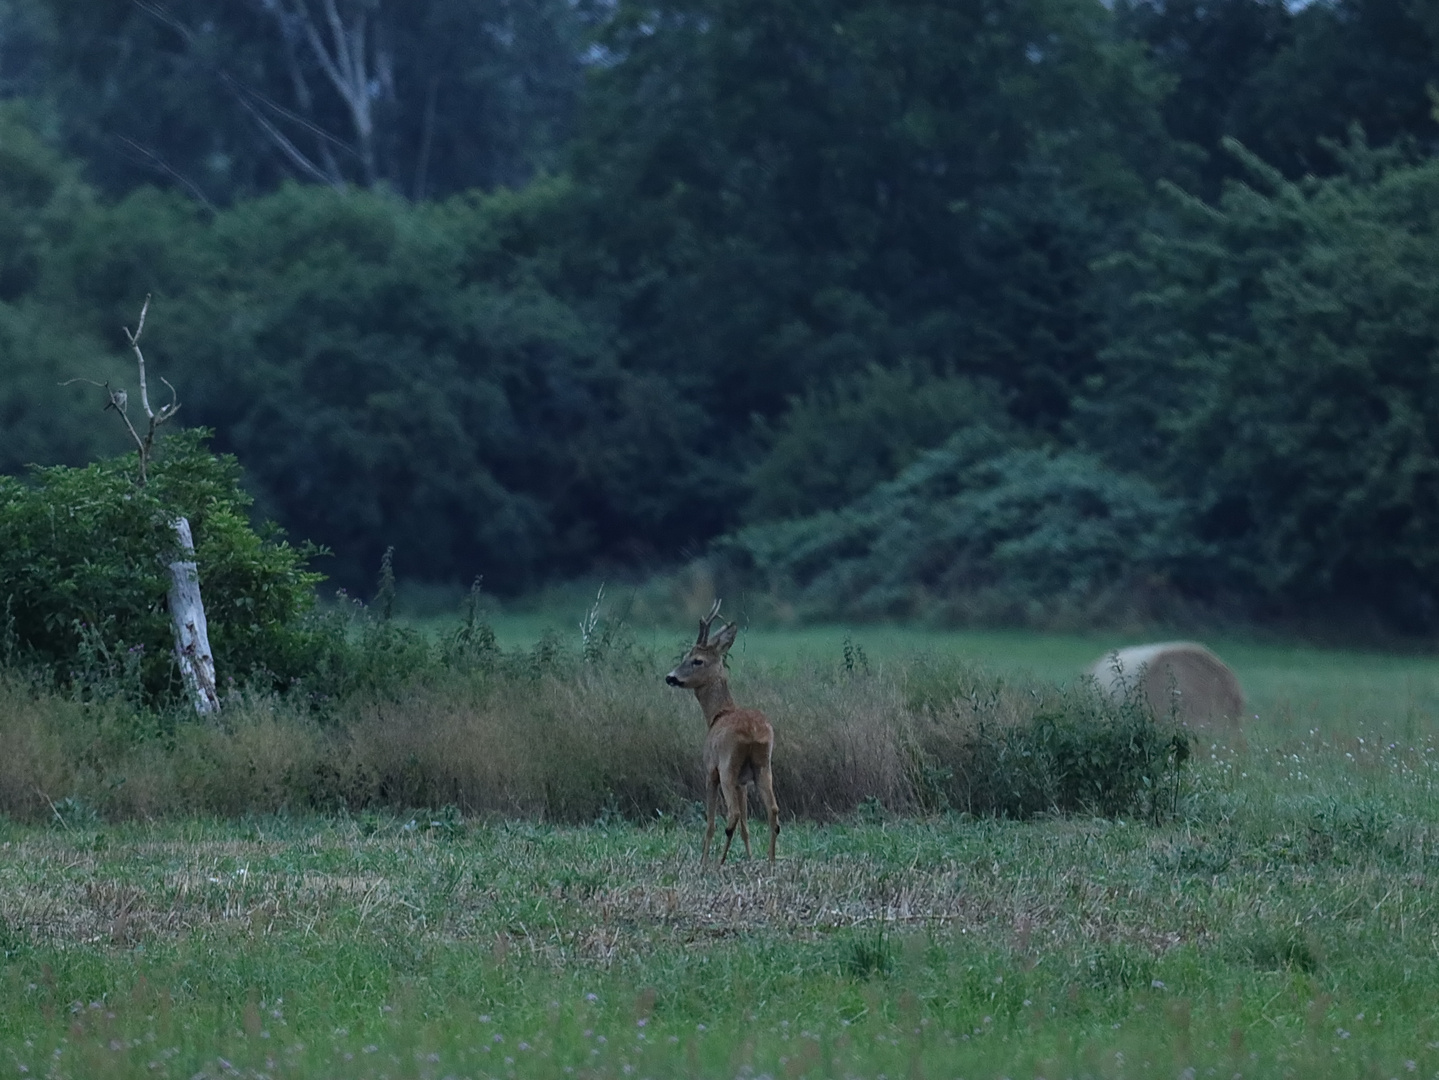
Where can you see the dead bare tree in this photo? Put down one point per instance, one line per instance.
(350, 53)
(348, 48)
(187, 609)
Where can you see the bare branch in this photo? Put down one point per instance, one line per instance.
(427, 138)
(118, 400)
(243, 95)
(322, 54)
(155, 11)
(343, 62)
(289, 149)
(344, 58)
(143, 445)
(167, 411)
(241, 91)
(165, 167)
(140, 357)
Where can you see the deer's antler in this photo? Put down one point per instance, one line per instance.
(705, 623)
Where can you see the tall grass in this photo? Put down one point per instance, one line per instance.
(558, 735)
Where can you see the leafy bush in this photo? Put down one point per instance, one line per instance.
(1086, 754)
(83, 566)
(975, 529)
(837, 443)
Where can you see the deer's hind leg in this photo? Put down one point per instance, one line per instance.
(733, 800)
(764, 781)
(744, 816)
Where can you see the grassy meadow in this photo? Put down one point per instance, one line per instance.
(190, 913)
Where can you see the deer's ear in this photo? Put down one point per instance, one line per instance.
(725, 638)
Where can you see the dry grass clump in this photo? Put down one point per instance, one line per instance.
(32, 759)
(839, 740)
(555, 746)
(575, 739)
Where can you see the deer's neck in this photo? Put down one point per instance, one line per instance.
(714, 698)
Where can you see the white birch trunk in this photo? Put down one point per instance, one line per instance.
(192, 638)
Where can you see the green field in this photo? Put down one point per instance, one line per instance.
(1283, 923)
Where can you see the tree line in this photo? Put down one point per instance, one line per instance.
(981, 311)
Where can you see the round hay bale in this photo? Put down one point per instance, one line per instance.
(1181, 677)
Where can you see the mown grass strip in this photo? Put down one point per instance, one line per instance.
(1283, 924)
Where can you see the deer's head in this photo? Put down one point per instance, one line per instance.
(704, 663)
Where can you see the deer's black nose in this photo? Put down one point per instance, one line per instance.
(670, 680)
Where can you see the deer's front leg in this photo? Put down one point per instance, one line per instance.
(712, 787)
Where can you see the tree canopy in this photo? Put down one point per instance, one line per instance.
(961, 308)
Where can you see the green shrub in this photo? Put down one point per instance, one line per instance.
(835, 444)
(1083, 755)
(83, 567)
(976, 529)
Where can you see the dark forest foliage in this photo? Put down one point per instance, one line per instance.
(986, 310)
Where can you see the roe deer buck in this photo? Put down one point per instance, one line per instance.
(739, 743)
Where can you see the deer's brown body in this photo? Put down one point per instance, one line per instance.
(738, 745)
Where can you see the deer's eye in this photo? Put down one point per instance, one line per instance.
(696, 661)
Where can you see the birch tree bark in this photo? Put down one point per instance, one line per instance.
(187, 616)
